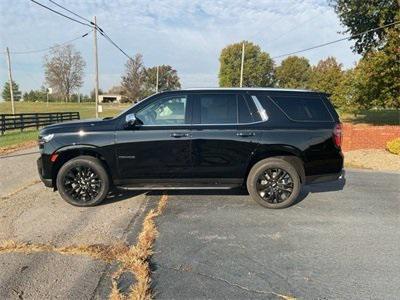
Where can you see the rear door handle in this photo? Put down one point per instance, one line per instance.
(179, 134)
(245, 134)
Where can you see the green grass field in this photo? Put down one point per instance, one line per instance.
(86, 110)
(373, 117)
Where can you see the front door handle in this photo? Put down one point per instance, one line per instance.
(179, 134)
(245, 134)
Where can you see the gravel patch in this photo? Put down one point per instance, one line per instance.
(375, 159)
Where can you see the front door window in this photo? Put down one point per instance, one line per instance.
(166, 111)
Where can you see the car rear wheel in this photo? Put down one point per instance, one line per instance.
(83, 181)
(274, 183)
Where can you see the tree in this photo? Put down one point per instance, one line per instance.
(376, 77)
(258, 68)
(64, 68)
(167, 79)
(6, 95)
(327, 76)
(36, 95)
(133, 80)
(359, 16)
(294, 72)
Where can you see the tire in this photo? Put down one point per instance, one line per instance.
(270, 191)
(78, 186)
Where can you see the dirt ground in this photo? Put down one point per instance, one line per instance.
(374, 159)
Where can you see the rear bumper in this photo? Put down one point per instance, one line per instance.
(325, 177)
(48, 182)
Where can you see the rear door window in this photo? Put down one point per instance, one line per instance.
(218, 109)
(303, 108)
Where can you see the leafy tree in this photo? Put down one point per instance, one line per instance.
(258, 68)
(167, 79)
(6, 95)
(294, 72)
(36, 95)
(345, 95)
(376, 77)
(64, 70)
(134, 78)
(327, 76)
(360, 15)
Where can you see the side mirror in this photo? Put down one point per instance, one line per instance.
(131, 120)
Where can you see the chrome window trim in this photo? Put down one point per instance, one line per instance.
(261, 111)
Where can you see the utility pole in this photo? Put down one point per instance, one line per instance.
(10, 81)
(241, 67)
(96, 66)
(157, 80)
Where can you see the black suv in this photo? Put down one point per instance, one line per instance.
(269, 140)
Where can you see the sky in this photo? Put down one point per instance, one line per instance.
(186, 34)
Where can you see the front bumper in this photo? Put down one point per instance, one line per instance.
(48, 182)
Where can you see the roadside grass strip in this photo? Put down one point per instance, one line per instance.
(133, 259)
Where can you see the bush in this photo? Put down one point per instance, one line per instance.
(393, 146)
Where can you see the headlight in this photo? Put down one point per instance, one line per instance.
(46, 138)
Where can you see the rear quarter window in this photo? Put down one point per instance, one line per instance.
(303, 108)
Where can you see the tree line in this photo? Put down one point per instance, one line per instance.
(374, 82)
(64, 71)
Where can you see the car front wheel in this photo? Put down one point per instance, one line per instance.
(83, 181)
(274, 183)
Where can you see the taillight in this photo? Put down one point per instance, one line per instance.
(337, 135)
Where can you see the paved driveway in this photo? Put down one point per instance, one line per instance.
(342, 244)
(31, 213)
(334, 244)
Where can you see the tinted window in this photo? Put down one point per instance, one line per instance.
(303, 108)
(166, 111)
(245, 115)
(218, 109)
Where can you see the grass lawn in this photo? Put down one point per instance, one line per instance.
(86, 110)
(14, 138)
(373, 117)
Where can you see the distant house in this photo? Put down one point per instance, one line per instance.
(114, 95)
(111, 98)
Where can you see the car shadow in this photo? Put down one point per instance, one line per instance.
(116, 195)
(119, 195)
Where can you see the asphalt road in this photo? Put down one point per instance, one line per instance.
(29, 212)
(336, 243)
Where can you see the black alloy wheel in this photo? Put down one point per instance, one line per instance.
(82, 184)
(274, 185)
(83, 181)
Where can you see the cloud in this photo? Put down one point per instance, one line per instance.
(188, 35)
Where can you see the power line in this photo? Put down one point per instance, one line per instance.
(99, 29)
(336, 41)
(50, 48)
(61, 14)
(296, 27)
(71, 12)
(105, 35)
